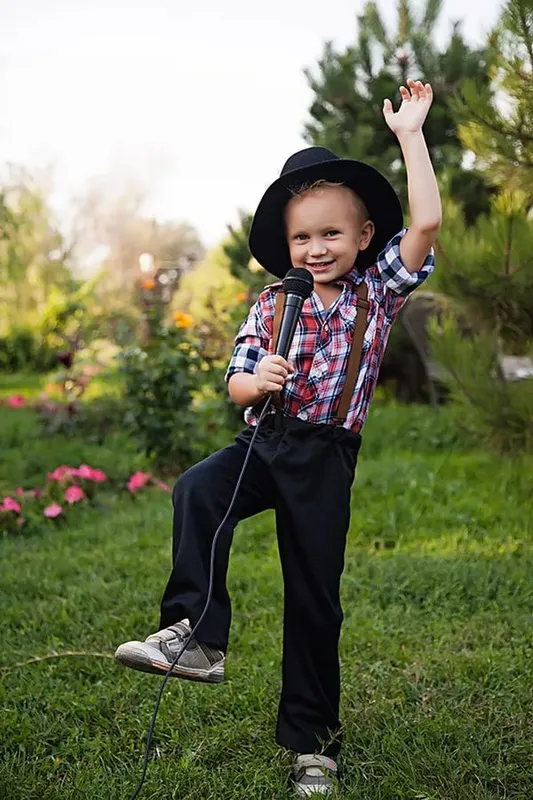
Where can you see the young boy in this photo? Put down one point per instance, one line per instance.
(342, 221)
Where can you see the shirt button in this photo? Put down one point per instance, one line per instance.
(326, 327)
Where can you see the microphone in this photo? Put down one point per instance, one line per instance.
(297, 286)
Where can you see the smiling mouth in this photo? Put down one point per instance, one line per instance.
(320, 265)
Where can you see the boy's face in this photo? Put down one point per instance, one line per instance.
(326, 230)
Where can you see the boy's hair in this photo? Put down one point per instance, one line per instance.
(304, 188)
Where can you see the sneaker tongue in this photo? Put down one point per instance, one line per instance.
(163, 636)
(180, 628)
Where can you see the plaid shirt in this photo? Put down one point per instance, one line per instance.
(322, 341)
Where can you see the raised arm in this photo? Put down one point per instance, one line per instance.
(424, 198)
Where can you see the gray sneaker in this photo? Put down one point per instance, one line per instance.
(198, 662)
(313, 775)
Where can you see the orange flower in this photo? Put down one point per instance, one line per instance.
(148, 284)
(241, 297)
(182, 320)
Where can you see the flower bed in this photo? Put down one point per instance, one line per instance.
(64, 488)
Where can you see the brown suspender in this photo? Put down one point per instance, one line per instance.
(356, 349)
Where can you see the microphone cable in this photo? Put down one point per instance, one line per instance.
(208, 600)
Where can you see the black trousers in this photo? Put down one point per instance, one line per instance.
(305, 473)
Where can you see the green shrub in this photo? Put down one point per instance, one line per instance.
(22, 350)
(495, 410)
(159, 381)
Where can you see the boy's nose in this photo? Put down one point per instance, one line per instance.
(317, 247)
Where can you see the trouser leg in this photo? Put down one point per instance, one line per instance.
(201, 499)
(313, 512)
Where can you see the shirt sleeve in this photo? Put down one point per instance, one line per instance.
(251, 342)
(396, 282)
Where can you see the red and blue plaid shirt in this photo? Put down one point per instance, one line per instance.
(322, 341)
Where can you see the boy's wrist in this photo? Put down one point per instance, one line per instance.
(406, 137)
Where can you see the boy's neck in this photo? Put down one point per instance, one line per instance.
(328, 293)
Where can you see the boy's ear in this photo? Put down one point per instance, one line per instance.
(367, 233)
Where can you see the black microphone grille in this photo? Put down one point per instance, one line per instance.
(298, 281)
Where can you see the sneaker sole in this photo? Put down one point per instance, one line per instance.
(137, 658)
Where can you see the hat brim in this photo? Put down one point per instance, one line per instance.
(268, 241)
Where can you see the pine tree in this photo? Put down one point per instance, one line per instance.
(487, 270)
(241, 264)
(349, 89)
(497, 122)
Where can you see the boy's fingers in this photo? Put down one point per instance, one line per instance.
(421, 90)
(278, 360)
(277, 369)
(387, 106)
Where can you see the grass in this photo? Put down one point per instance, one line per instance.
(436, 646)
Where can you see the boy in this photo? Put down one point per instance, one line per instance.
(342, 221)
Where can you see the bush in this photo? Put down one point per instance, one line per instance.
(159, 380)
(22, 350)
(497, 411)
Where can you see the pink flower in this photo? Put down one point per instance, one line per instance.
(90, 474)
(138, 480)
(10, 505)
(98, 476)
(163, 485)
(52, 511)
(19, 492)
(15, 401)
(60, 473)
(36, 493)
(74, 494)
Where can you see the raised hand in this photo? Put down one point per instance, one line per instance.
(413, 111)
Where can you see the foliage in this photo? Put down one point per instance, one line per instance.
(240, 261)
(159, 379)
(218, 302)
(497, 120)
(23, 349)
(488, 269)
(495, 410)
(33, 256)
(487, 272)
(349, 88)
(67, 323)
(209, 289)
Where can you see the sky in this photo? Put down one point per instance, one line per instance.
(201, 101)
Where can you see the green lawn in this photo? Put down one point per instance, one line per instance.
(436, 649)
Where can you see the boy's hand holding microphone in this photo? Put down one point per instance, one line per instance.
(271, 374)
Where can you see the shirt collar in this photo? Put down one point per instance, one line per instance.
(351, 278)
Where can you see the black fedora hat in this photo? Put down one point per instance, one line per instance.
(268, 242)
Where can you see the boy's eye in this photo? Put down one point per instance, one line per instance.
(301, 237)
(332, 233)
